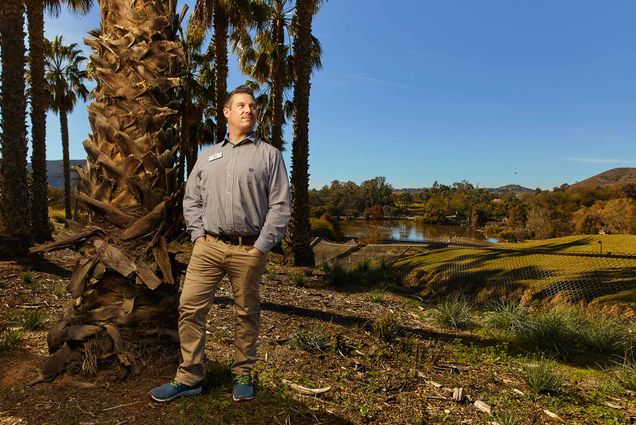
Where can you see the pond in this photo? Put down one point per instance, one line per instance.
(407, 230)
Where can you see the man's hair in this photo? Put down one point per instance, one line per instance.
(239, 89)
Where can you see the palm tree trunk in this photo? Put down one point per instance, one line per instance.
(299, 230)
(40, 229)
(126, 282)
(14, 194)
(66, 161)
(277, 86)
(220, 67)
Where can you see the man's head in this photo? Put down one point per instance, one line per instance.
(240, 110)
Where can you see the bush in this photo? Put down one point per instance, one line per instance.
(364, 273)
(386, 327)
(543, 377)
(311, 340)
(326, 227)
(453, 312)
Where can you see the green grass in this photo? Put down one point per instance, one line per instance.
(33, 320)
(10, 338)
(312, 340)
(27, 277)
(387, 327)
(453, 312)
(526, 270)
(625, 374)
(543, 376)
(507, 316)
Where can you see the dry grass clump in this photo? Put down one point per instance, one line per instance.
(625, 374)
(10, 338)
(507, 316)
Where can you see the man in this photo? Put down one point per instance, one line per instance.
(236, 207)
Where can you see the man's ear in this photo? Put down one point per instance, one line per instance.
(226, 113)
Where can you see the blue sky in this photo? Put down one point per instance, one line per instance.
(495, 92)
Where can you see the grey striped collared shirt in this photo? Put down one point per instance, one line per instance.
(239, 189)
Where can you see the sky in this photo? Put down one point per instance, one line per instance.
(494, 92)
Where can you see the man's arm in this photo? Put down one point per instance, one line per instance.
(193, 204)
(279, 207)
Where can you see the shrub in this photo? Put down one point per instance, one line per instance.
(543, 376)
(311, 340)
(386, 327)
(337, 276)
(453, 312)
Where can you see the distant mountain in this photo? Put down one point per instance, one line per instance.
(613, 177)
(55, 172)
(509, 188)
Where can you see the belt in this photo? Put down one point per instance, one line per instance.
(235, 240)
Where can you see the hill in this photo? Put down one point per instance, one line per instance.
(55, 172)
(613, 177)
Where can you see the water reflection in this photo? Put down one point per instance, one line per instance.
(406, 230)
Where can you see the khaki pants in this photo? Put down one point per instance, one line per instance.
(211, 260)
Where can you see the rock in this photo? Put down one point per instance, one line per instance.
(480, 405)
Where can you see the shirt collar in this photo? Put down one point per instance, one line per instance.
(252, 138)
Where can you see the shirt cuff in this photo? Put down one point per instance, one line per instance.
(196, 233)
(263, 245)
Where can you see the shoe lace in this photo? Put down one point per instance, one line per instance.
(243, 379)
(175, 383)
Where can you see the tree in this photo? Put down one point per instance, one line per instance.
(299, 230)
(14, 198)
(39, 202)
(229, 19)
(65, 80)
(124, 282)
(269, 61)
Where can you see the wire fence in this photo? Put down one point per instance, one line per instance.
(484, 271)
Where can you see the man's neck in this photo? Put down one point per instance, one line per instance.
(237, 136)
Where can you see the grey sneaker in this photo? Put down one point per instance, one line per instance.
(243, 389)
(174, 389)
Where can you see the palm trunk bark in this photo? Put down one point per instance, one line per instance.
(66, 163)
(221, 69)
(299, 230)
(126, 281)
(40, 229)
(14, 198)
(278, 85)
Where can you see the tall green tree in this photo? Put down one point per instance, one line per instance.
(299, 231)
(14, 198)
(65, 83)
(39, 185)
(230, 20)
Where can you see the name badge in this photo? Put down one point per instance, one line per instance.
(215, 156)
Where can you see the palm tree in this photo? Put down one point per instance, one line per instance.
(230, 19)
(125, 281)
(65, 80)
(35, 14)
(14, 198)
(269, 61)
(299, 230)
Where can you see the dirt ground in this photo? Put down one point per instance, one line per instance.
(406, 381)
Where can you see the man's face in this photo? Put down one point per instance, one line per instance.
(242, 113)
